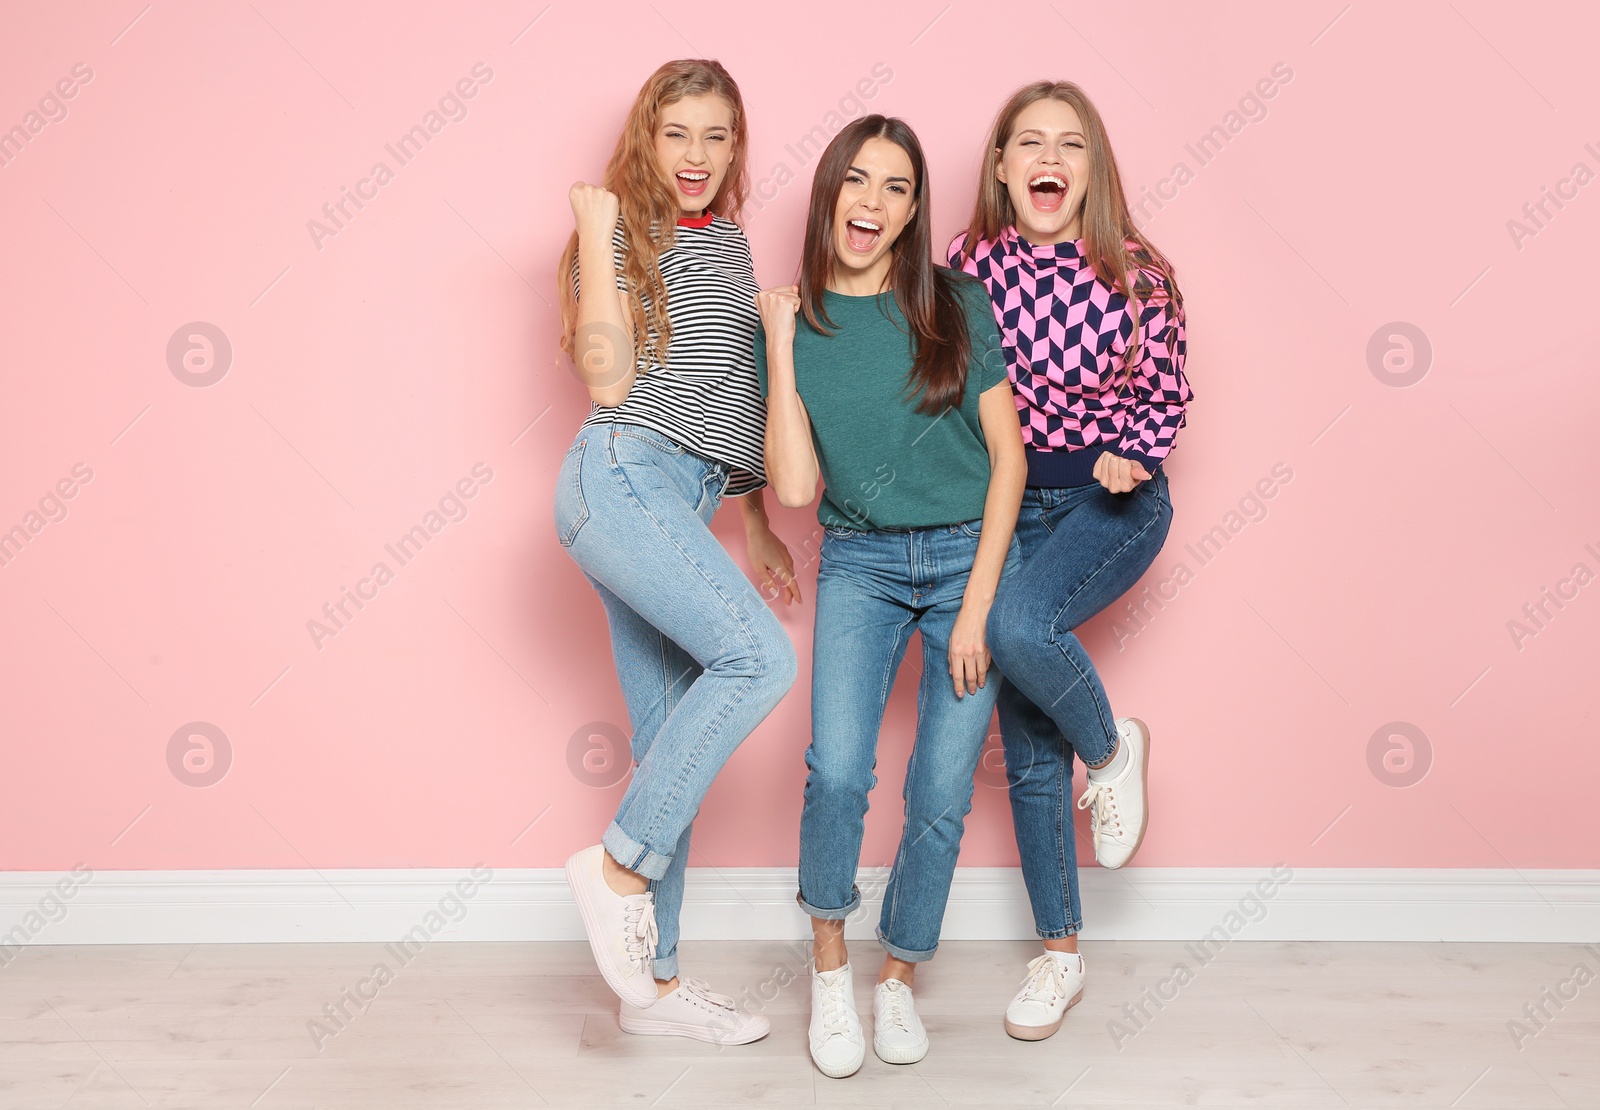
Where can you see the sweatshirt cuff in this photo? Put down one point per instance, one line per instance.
(1149, 462)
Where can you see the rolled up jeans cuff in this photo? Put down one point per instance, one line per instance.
(832, 915)
(909, 955)
(634, 855)
(665, 967)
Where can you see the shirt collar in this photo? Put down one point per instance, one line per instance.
(1068, 249)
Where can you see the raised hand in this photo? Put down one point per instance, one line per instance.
(778, 308)
(594, 209)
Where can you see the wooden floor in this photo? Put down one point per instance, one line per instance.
(532, 1025)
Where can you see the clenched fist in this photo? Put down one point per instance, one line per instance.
(778, 308)
(594, 209)
(1117, 474)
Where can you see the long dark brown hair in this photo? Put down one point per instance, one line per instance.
(1107, 225)
(646, 201)
(927, 295)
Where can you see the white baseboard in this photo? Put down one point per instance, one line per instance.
(986, 903)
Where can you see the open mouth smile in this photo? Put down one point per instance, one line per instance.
(692, 183)
(862, 234)
(1047, 192)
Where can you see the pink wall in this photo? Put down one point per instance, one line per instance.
(414, 348)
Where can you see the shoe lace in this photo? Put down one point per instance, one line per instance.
(1046, 979)
(835, 1014)
(704, 995)
(1103, 817)
(639, 922)
(896, 1006)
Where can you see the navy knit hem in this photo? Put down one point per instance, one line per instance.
(1061, 468)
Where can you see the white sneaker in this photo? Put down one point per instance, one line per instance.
(898, 1036)
(1053, 984)
(1118, 813)
(694, 1011)
(837, 1044)
(621, 928)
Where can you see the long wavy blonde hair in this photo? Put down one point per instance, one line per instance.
(648, 204)
(1106, 222)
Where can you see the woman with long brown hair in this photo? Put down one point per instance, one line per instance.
(658, 320)
(1093, 328)
(890, 387)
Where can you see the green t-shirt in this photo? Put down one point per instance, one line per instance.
(885, 464)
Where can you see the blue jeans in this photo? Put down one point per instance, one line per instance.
(701, 658)
(874, 588)
(1083, 548)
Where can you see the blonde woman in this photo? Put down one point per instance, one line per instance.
(1092, 324)
(659, 319)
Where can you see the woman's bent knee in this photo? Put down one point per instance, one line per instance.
(761, 652)
(782, 664)
(1012, 624)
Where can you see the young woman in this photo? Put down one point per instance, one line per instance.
(659, 322)
(893, 390)
(1093, 328)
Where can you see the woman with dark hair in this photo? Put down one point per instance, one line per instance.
(658, 320)
(890, 386)
(1093, 327)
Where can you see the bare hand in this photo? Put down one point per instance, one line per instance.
(969, 653)
(778, 308)
(594, 210)
(770, 557)
(1117, 474)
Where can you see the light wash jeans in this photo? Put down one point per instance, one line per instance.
(874, 588)
(1083, 547)
(701, 658)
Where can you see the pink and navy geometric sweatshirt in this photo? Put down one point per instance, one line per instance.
(1065, 333)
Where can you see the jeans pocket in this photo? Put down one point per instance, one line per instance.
(571, 510)
(1014, 561)
(712, 487)
(1163, 489)
(655, 440)
(972, 528)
